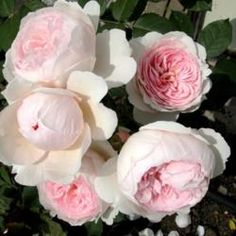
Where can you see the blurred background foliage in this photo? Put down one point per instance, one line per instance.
(20, 212)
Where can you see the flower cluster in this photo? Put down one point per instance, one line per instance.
(55, 129)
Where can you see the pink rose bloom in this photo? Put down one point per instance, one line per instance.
(164, 168)
(45, 132)
(77, 202)
(54, 41)
(171, 76)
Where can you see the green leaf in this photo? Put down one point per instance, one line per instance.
(8, 31)
(6, 7)
(103, 6)
(5, 204)
(152, 22)
(228, 67)
(138, 10)
(4, 175)
(201, 6)
(1, 223)
(51, 228)
(182, 22)
(34, 5)
(197, 5)
(82, 2)
(155, 0)
(122, 9)
(94, 229)
(30, 198)
(216, 37)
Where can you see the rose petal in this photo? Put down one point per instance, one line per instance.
(183, 220)
(88, 85)
(187, 41)
(220, 148)
(113, 62)
(106, 184)
(201, 52)
(144, 117)
(14, 149)
(101, 119)
(92, 9)
(146, 232)
(8, 67)
(73, 9)
(173, 233)
(135, 97)
(17, 88)
(140, 44)
(104, 148)
(53, 167)
(167, 126)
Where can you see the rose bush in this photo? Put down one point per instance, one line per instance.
(164, 168)
(78, 202)
(54, 41)
(171, 76)
(51, 128)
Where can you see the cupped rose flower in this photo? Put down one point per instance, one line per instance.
(171, 76)
(77, 202)
(54, 41)
(164, 168)
(44, 132)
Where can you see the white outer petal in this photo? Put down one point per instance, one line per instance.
(101, 120)
(146, 232)
(114, 62)
(167, 126)
(173, 233)
(141, 44)
(219, 146)
(135, 97)
(88, 85)
(183, 220)
(74, 10)
(17, 88)
(8, 67)
(92, 9)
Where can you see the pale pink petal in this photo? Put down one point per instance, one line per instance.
(187, 41)
(14, 149)
(53, 167)
(88, 85)
(114, 62)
